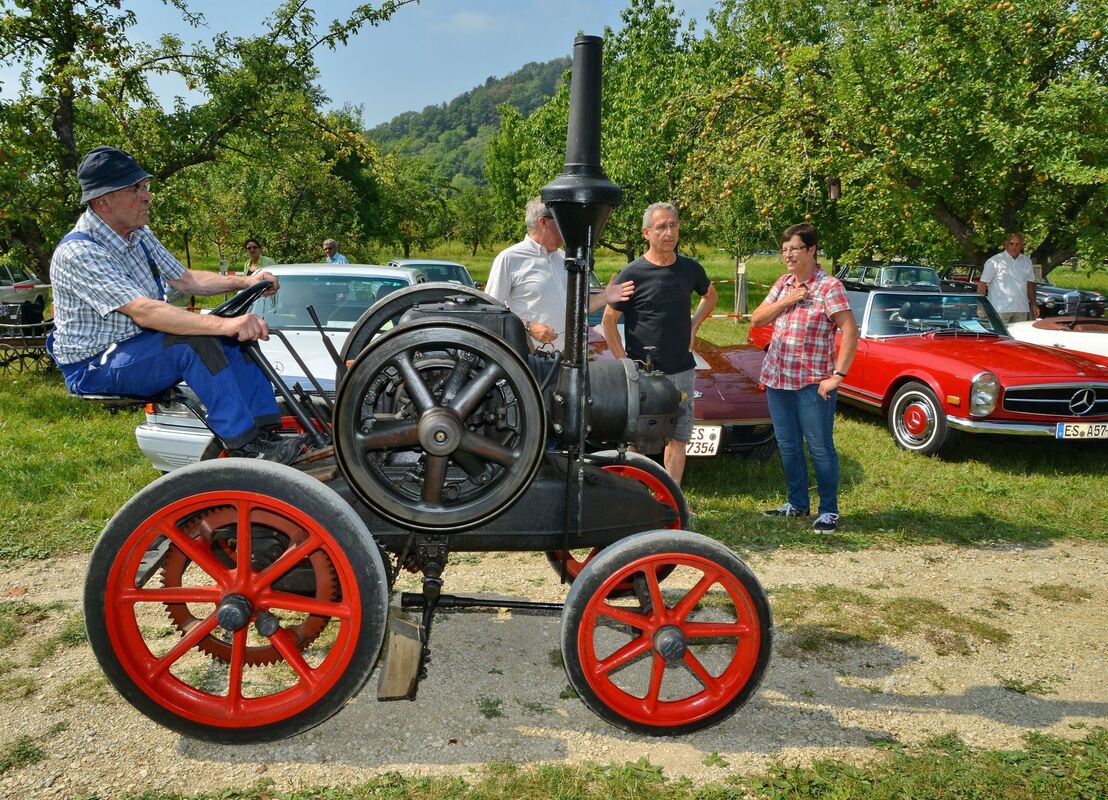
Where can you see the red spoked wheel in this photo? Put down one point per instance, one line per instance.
(274, 570)
(312, 577)
(662, 488)
(682, 654)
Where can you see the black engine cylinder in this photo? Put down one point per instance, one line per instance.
(629, 405)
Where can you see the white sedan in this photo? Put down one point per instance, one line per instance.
(173, 436)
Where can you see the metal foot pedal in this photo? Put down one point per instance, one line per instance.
(403, 653)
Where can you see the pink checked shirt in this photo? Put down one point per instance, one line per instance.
(802, 350)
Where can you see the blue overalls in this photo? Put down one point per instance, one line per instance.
(238, 397)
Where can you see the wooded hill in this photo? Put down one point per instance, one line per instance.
(452, 136)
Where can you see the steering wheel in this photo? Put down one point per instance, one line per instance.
(241, 302)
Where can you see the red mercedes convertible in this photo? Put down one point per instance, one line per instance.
(937, 362)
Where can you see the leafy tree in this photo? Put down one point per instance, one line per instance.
(644, 70)
(84, 83)
(413, 210)
(472, 213)
(641, 152)
(947, 123)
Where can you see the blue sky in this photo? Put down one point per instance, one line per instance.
(427, 54)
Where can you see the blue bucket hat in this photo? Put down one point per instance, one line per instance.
(108, 169)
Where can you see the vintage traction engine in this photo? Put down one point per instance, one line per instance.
(445, 435)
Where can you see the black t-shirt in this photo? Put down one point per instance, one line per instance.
(657, 314)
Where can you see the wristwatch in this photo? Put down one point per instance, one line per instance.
(840, 374)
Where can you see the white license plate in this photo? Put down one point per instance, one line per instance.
(704, 440)
(1081, 430)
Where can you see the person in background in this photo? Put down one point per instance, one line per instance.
(254, 258)
(1008, 279)
(802, 372)
(115, 334)
(657, 316)
(530, 278)
(331, 254)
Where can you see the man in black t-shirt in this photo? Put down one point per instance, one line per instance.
(657, 315)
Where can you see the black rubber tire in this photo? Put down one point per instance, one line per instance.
(269, 486)
(394, 478)
(654, 550)
(916, 420)
(648, 465)
(763, 452)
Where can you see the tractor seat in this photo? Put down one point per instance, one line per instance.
(115, 402)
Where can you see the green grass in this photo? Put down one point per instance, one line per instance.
(1061, 592)
(817, 617)
(1039, 686)
(67, 466)
(944, 768)
(19, 753)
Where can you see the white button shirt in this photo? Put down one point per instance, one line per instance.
(1008, 278)
(531, 281)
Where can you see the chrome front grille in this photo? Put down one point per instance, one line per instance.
(1072, 400)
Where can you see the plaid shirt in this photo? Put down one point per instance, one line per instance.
(91, 281)
(802, 350)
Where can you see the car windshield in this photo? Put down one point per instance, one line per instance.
(20, 276)
(338, 300)
(908, 276)
(895, 314)
(453, 273)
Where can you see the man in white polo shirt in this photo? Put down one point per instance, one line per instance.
(1009, 280)
(530, 278)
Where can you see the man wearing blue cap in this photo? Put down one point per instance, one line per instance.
(115, 334)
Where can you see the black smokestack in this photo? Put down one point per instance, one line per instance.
(581, 199)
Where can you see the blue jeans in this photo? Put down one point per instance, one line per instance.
(801, 415)
(237, 395)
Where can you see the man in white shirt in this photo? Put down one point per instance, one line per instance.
(530, 278)
(1009, 280)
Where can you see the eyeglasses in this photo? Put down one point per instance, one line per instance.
(141, 188)
(669, 226)
(329, 248)
(787, 250)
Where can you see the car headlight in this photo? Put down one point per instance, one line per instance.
(984, 391)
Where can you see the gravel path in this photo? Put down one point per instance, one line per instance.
(837, 702)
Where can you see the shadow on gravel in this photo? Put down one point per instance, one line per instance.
(855, 682)
(496, 691)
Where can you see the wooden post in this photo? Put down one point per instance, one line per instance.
(740, 287)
